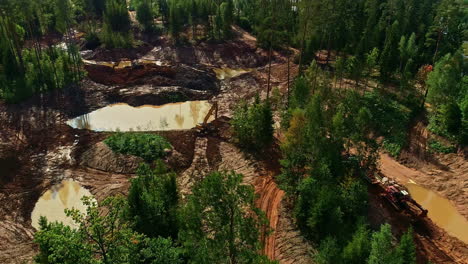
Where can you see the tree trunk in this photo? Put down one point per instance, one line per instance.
(439, 37)
(232, 247)
(302, 46)
(425, 97)
(289, 74)
(269, 70)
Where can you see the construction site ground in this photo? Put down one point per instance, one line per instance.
(38, 150)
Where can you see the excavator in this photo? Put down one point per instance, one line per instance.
(398, 196)
(214, 108)
(203, 128)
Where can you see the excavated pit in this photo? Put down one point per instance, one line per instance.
(49, 151)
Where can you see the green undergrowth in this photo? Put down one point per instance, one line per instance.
(391, 119)
(439, 147)
(147, 146)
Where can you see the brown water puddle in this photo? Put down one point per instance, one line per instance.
(441, 211)
(123, 64)
(226, 73)
(123, 117)
(53, 202)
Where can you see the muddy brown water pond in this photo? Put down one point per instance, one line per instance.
(54, 201)
(123, 117)
(226, 73)
(441, 211)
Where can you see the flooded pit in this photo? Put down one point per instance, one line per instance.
(125, 118)
(226, 73)
(441, 211)
(54, 201)
(109, 64)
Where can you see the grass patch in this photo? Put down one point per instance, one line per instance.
(147, 146)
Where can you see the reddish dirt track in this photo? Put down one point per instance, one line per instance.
(268, 202)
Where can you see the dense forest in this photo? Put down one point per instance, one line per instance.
(367, 69)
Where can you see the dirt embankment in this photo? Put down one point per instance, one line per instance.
(446, 174)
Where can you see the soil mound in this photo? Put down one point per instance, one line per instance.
(102, 158)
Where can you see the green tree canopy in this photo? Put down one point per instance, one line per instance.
(220, 223)
(152, 201)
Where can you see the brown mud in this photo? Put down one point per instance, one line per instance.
(44, 150)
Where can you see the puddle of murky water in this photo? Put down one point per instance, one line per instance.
(53, 202)
(109, 64)
(155, 62)
(123, 64)
(226, 73)
(441, 211)
(123, 117)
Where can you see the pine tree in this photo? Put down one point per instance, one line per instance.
(382, 251)
(220, 222)
(406, 250)
(152, 201)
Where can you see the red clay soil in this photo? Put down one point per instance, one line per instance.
(433, 243)
(269, 201)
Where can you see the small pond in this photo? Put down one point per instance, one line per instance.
(441, 211)
(53, 202)
(123, 117)
(226, 73)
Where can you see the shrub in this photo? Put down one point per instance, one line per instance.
(147, 146)
(92, 40)
(437, 146)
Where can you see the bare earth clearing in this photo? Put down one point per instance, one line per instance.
(37, 148)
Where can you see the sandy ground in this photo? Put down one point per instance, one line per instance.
(49, 154)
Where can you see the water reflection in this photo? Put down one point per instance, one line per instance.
(226, 73)
(53, 202)
(123, 117)
(441, 211)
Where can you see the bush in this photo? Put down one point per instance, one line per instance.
(438, 147)
(147, 146)
(244, 23)
(92, 40)
(394, 149)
